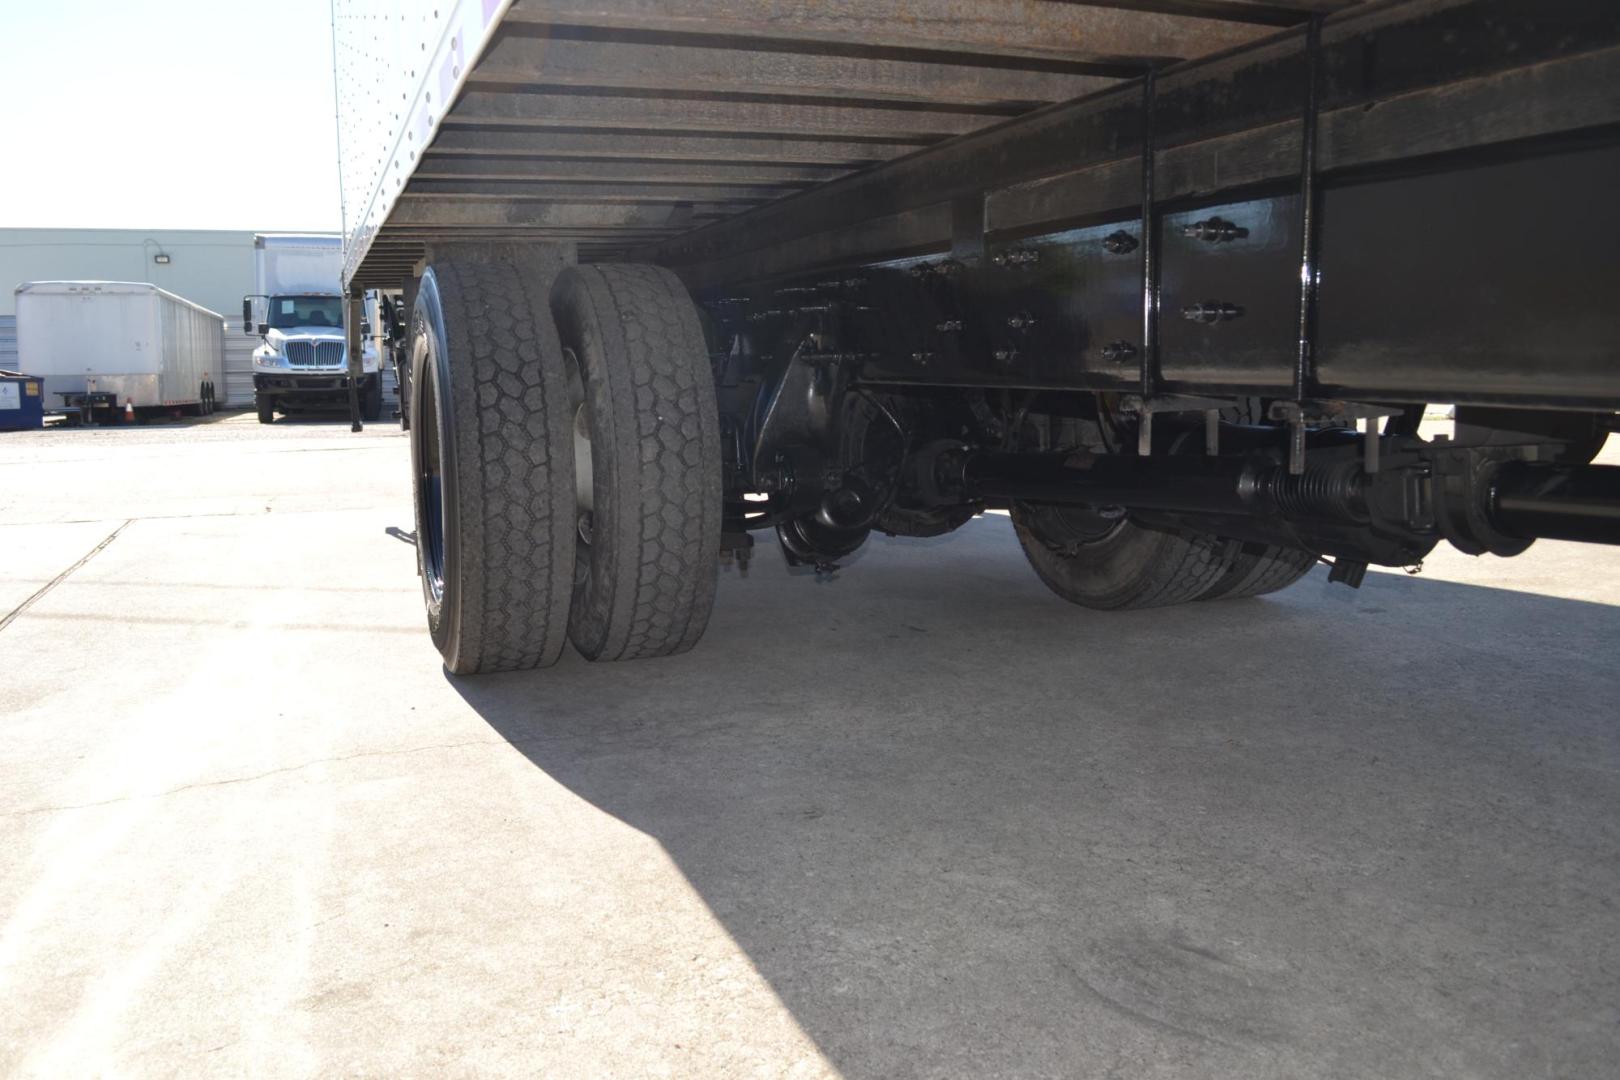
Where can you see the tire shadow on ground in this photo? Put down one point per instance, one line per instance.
(963, 828)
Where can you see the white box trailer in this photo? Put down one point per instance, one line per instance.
(119, 343)
(680, 271)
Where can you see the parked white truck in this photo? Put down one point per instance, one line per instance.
(303, 362)
(104, 348)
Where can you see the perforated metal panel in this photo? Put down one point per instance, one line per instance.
(398, 64)
(237, 392)
(8, 343)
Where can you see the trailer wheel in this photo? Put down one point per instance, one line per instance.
(267, 408)
(649, 498)
(1258, 569)
(1117, 564)
(492, 465)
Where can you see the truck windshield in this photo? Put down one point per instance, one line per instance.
(288, 312)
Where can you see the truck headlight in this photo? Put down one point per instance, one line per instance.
(269, 362)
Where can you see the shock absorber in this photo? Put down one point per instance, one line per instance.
(1335, 490)
(1252, 485)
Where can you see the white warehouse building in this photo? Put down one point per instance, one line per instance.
(210, 267)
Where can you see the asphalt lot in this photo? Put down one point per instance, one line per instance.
(921, 820)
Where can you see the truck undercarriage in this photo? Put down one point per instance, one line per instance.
(684, 274)
(300, 392)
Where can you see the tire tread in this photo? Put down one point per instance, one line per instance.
(666, 428)
(514, 472)
(1261, 569)
(1180, 567)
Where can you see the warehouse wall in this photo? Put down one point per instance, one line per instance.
(210, 267)
(213, 268)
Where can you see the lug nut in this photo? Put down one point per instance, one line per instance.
(1215, 230)
(1212, 311)
(1119, 243)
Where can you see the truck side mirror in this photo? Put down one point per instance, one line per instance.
(264, 328)
(247, 315)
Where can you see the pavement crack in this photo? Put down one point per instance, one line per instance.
(11, 616)
(230, 780)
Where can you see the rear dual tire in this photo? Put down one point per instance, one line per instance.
(647, 574)
(1118, 565)
(492, 468)
(508, 575)
(1259, 569)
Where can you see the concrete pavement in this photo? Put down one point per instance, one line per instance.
(922, 820)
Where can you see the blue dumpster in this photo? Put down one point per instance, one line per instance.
(22, 401)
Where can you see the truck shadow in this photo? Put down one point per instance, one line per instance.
(965, 829)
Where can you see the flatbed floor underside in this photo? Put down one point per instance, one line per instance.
(1454, 150)
(703, 133)
(621, 125)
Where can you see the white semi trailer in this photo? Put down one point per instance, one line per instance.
(103, 347)
(302, 362)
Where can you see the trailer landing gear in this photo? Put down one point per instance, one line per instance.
(371, 400)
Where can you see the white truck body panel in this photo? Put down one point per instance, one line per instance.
(297, 263)
(148, 346)
(392, 108)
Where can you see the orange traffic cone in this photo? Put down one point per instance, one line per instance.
(129, 410)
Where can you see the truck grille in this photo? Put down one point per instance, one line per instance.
(315, 354)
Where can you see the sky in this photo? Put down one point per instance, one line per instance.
(168, 114)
